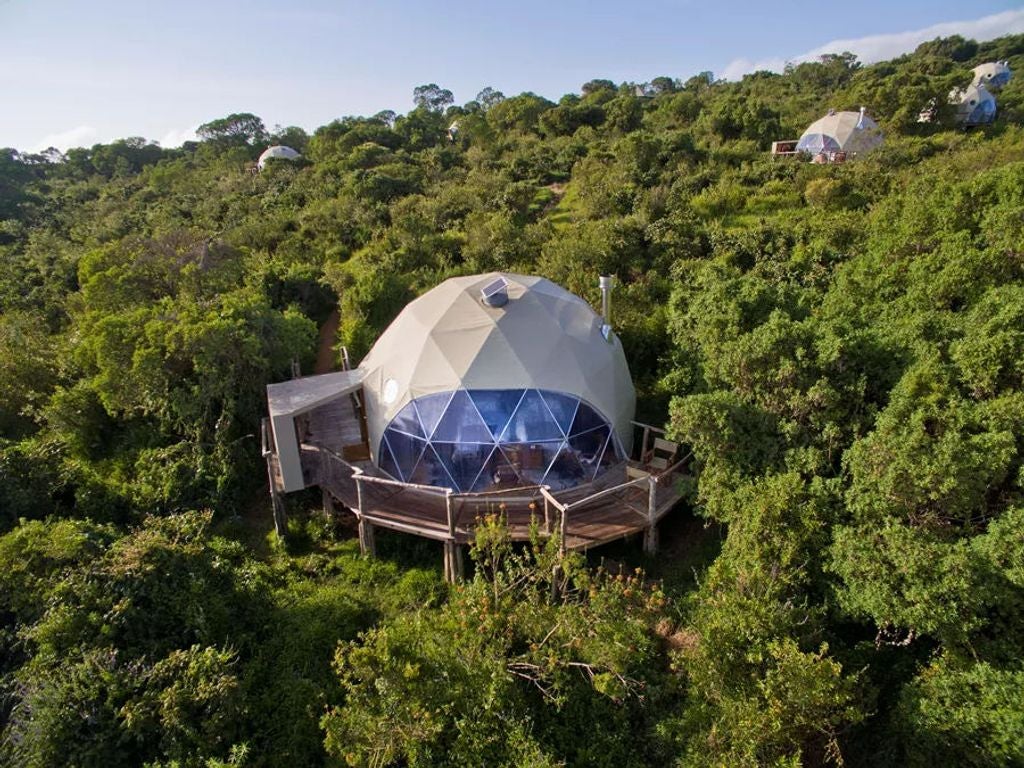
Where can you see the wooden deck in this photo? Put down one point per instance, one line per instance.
(335, 457)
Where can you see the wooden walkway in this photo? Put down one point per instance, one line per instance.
(625, 500)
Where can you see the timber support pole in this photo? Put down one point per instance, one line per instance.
(453, 564)
(280, 516)
(276, 501)
(367, 541)
(562, 545)
(651, 531)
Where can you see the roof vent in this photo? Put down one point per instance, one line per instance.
(495, 293)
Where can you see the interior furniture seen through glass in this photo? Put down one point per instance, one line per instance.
(482, 439)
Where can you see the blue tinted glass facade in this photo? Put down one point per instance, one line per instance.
(817, 142)
(982, 112)
(479, 440)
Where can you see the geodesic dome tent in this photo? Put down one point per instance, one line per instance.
(851, 132)
(974, 105)
(992, 74)
(279, 152)
(497, 381)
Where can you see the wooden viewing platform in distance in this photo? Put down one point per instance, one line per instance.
(626, 499)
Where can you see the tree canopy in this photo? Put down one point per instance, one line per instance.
(840, 345)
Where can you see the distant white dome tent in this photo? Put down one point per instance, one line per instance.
(974, 105)
(278, 152)
(839, 135)
(992, 74)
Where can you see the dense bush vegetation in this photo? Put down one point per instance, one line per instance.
(841, 345)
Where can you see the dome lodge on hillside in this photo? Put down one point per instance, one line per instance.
(495, 392)
(278, 152)
(834, 138)
(992, 74)
(974, 105)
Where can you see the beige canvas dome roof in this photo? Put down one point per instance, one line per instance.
(544, 337)
(974, 104)
(992, 74)
(279, 152)
(852, 132)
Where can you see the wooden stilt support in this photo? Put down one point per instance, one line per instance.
(556, 583)
(651, 531)
(449, 562)
(562, 545)
(367, 539)
(276, 502)
(453, 562)
(328, 503)
(280, 515)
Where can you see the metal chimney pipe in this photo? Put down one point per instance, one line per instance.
(606, 282)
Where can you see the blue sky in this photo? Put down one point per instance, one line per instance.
(74, 73)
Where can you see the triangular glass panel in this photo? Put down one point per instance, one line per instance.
(489, 470)
(607, 452)
(461, 423)
(532, 459)
(406, 451)
(586, 419)
(497, 472)
(588, 447)
(496, 406)
(408, 420)
(510, 476)
(431, 471)
(562, 407)
(386, 461)
(463, 461)
(565, 470)
(531, 422)
(430, 409)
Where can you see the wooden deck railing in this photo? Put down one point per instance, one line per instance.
(450, 517)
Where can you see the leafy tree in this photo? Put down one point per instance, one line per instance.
(488, 97)
(237, 129)
(432, 97)
(503, 674)
(838, 345)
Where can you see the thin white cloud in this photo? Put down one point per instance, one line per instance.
(881, 47)
(80, 136)
(737, 68)
(177, 138)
